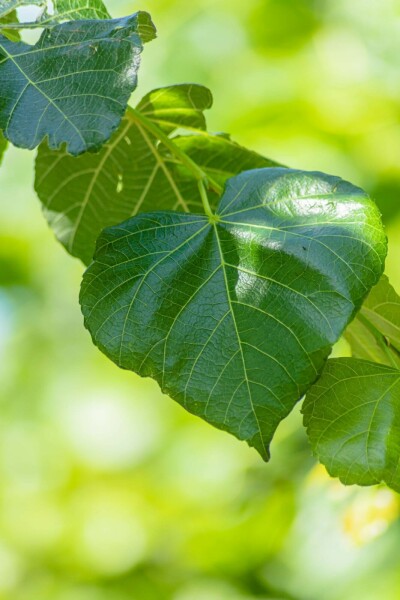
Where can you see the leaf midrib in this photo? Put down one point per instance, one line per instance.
(93, 180)
(50, 101)
(238, 337)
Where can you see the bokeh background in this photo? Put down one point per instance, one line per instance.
(110, 491)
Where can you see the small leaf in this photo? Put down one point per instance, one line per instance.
(375, 332)
(3, 146)
(62, 10)
(8, 6)
(235, 315)
(74, 10)
(177, 106)
(134, 172)
(72, 86)
(12, 32)
(352, 415)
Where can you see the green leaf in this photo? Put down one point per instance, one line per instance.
(219, 156)
(78, 10)
(74, 10)
(375, 332)
(3, 146)
(73, 85)
(177, 106)
(352, 415)
(235, 315)
(11, 33)
(134, 172)
(62, 10)
(8, 6)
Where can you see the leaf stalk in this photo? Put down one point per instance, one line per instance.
(204, 199)
(390, 351)
(194, 168)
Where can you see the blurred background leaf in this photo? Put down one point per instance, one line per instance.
(109, 491)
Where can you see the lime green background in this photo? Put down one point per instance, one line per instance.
(110, 491)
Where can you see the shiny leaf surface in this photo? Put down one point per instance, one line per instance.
(352, 415)
(177, 106)
(235, 315)
(73, 85)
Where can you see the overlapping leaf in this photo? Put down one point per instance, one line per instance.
(375, 332)
(73, 86)
(60, 11)
(177, 106)
(74, 10)
(8, 6)
(219, 157)
(77, 10)
(352, 415)
(134, 172)
(8, 26)
(235, 315)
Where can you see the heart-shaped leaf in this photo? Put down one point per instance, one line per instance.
(352, 415)
(73, 85)
(134, 172)
(234, 315)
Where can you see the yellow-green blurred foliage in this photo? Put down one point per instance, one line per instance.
(109, 491)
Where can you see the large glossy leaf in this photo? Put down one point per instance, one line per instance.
(235, 315)
(352, 415)
(134, 172)
(375, 332)
(73, 85)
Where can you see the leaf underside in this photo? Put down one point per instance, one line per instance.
(235, 316)
(375, 332)
(133, 172)
(73, 85)
(352, 415)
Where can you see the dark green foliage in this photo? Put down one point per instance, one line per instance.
(235, 314)
(72, 86)
(352, 415)
(218, 272)
(134, 172)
